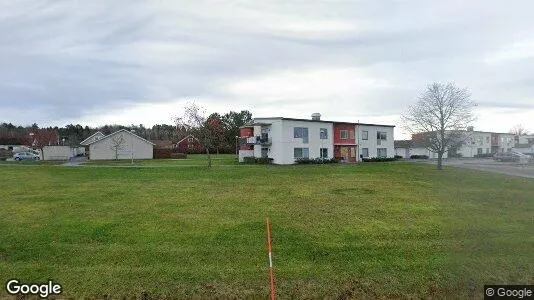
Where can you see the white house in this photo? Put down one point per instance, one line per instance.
(94, 137)
(121, 144)
(285, 140)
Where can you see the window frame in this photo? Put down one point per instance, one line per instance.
(365, 135)
(323, 133)
(341, 134)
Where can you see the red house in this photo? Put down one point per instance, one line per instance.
(345, 141)
(188, 144)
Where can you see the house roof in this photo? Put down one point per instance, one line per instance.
(122, 130)
(85, 143)
(322, 121)
(188, 136)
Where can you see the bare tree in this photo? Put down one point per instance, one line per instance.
(205, 129)
(441, 114)
(518, 130)
(117, 143)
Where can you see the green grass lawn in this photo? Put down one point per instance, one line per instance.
(376, 230)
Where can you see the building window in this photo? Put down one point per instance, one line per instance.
(487, 139)
(297, 132)
(365, 152)
(343, 134)
(301, 132)
(324, 152)
(365, 135)
(380, 136)
(301, 152)
(479, 151)
(487, 150)
(382, 152)
(323, 133)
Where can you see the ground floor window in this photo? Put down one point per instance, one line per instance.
(382, 152)
(324, 152)
(301, 152)
(365, 152)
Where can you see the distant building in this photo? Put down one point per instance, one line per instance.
(121, 144)
(472, 144)
(188, 144)
(285, 140)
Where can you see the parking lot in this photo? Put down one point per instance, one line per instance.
(510, 168)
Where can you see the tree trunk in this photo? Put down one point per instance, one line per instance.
(440, 160)
(209, 157)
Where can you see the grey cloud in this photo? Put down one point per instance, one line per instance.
(56, 55)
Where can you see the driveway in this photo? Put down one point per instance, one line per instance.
(75, 161)
(509, 168)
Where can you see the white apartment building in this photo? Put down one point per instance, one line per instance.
(285, 140)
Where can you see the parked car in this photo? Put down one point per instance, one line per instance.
(25, 156)
(511, 156)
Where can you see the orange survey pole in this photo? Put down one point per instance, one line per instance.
(269, 251)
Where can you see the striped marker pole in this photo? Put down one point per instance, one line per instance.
(269, 251)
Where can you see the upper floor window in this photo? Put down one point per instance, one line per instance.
(323, 133)
(343, 134)
(365, 135)
(301, 132)
(380, 136)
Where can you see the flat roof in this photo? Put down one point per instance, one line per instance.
(324, 121)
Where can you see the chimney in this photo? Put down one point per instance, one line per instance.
(316, 116)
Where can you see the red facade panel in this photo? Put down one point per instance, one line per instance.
(347, 137)
(246, 132)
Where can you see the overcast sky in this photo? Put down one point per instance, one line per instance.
(131, 62)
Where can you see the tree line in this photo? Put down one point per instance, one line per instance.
(72, 134)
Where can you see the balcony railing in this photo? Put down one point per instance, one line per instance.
(255, 140)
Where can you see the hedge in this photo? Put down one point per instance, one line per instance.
(257, 160)
(306, 160)
(379, 159)
(416, 156)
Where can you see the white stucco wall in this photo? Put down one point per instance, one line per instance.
(57, 153)
(102, 149)
(371, 142)
(474, 141)
(283, 141)
(245, 153)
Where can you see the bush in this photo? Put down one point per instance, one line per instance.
(257, 160)
(162, 153)
(398, 157)
(306, 160)
(379, 159)
(416, 156)
(179, 155)
(484, 155)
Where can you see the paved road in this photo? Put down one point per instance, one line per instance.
(509, 168)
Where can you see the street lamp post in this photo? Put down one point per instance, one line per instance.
(236, 147)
